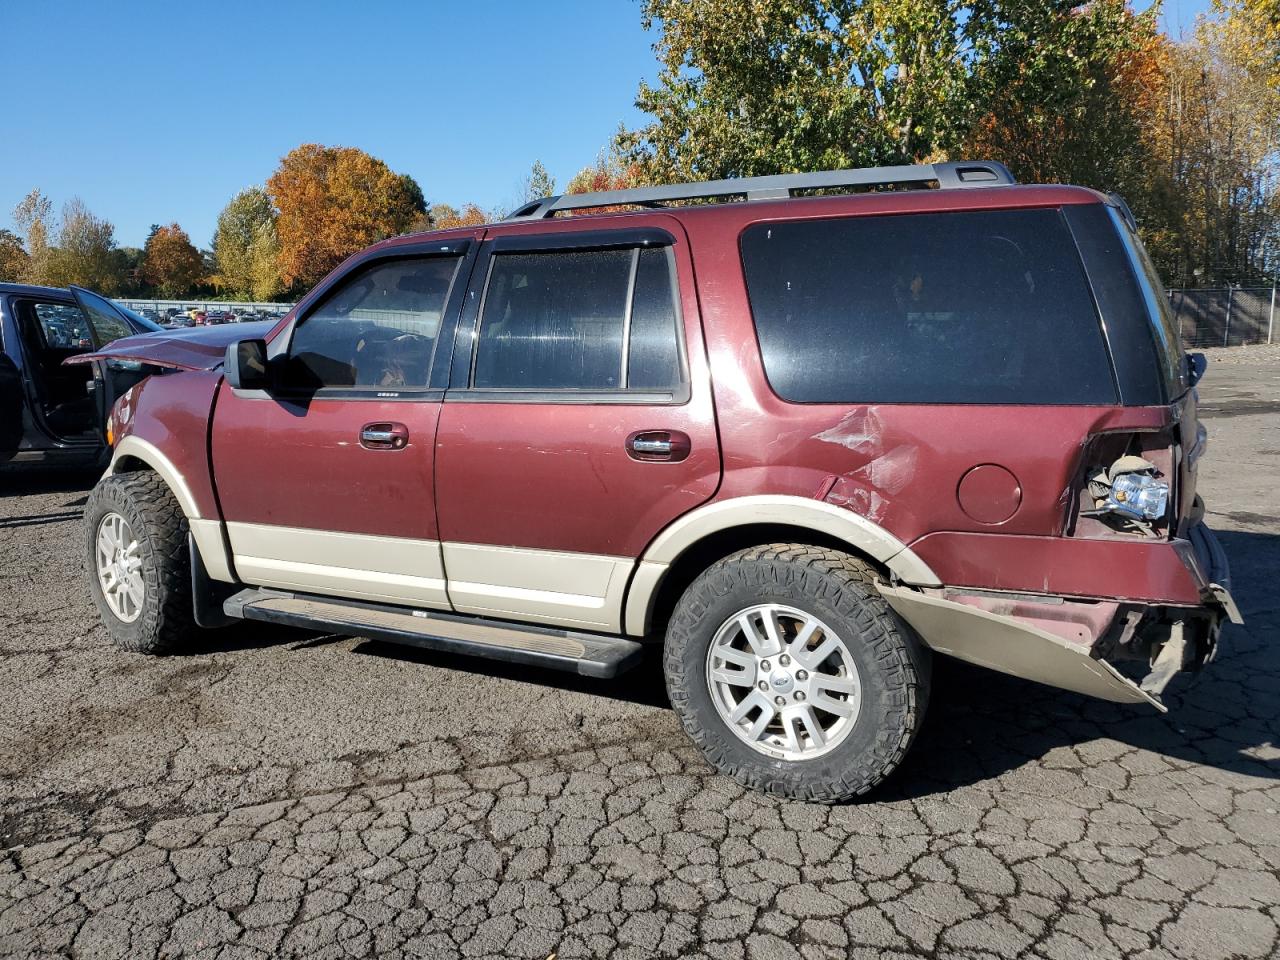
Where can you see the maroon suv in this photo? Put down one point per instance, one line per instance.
(800, 433)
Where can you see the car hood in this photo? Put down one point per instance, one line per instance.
(187, 348)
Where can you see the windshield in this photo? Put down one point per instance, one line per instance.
(137, 318)
(1164, 326)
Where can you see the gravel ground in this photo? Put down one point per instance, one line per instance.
(280, 794)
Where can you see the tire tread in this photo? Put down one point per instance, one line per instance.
(846, 583)
(167, 615)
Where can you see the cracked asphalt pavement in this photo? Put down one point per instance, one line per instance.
(284, 794)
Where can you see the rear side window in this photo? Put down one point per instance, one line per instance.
(579, 320)
(1164, 327)
(967, 307)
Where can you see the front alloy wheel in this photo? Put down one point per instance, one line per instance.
(119, 563)
(138, 563)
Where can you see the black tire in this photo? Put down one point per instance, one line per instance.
(157, 521)
(893, 667)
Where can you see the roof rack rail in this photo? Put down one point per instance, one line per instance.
(949, 176)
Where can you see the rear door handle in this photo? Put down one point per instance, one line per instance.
(384, 436)
(670, 446)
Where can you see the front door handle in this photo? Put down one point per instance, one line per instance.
(669, 446)
(384, 436)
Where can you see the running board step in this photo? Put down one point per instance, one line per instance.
(584, 653)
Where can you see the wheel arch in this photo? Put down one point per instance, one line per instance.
(698, 539)
(133, 454)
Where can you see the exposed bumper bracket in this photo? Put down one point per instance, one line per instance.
(1010, 646)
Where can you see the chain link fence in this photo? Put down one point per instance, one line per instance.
(1225, 316)
(237, 306)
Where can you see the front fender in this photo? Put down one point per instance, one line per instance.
(162, 424)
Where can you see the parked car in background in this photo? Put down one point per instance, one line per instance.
(798, 443)
(51, 412)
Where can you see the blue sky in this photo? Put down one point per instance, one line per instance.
(154, 112)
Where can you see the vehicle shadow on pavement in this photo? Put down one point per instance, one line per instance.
(252, 635)
(982, 725)
(27, 480)
(643, 684)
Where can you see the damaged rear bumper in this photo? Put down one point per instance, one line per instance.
(1068, 643)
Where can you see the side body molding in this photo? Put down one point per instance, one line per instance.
(860, 533)
(206, 533)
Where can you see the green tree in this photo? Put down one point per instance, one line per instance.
(171, 263)
(13, 258)
(246, 229)
(538, 184)
(750, 87)
(128, 266)
(85, 254)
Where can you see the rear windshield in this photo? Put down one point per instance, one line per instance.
(967, 307)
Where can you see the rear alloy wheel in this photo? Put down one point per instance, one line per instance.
(789, 670)
(783, 681)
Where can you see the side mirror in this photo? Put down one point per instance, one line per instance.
(1197, 363)
(246, 365)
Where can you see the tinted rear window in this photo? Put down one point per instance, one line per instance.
(970, 307)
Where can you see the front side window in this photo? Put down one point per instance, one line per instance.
(63, 326)
(579, 320)
(966, 307)
(377, 329)
(108, 325)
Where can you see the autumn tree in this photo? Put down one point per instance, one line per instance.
(444, 216)
(1089, 126)
(1257, 24)
(85, 253)
(246, 246)
(13, 258)
(33, 216)
(171, 263)
(612, 170)
(1217, 137)
(331, 202)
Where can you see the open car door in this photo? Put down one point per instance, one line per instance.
(111, 378)
(10, 407)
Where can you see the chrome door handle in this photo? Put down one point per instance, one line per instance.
(669, 446)
(642, 445)
(384, 436)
